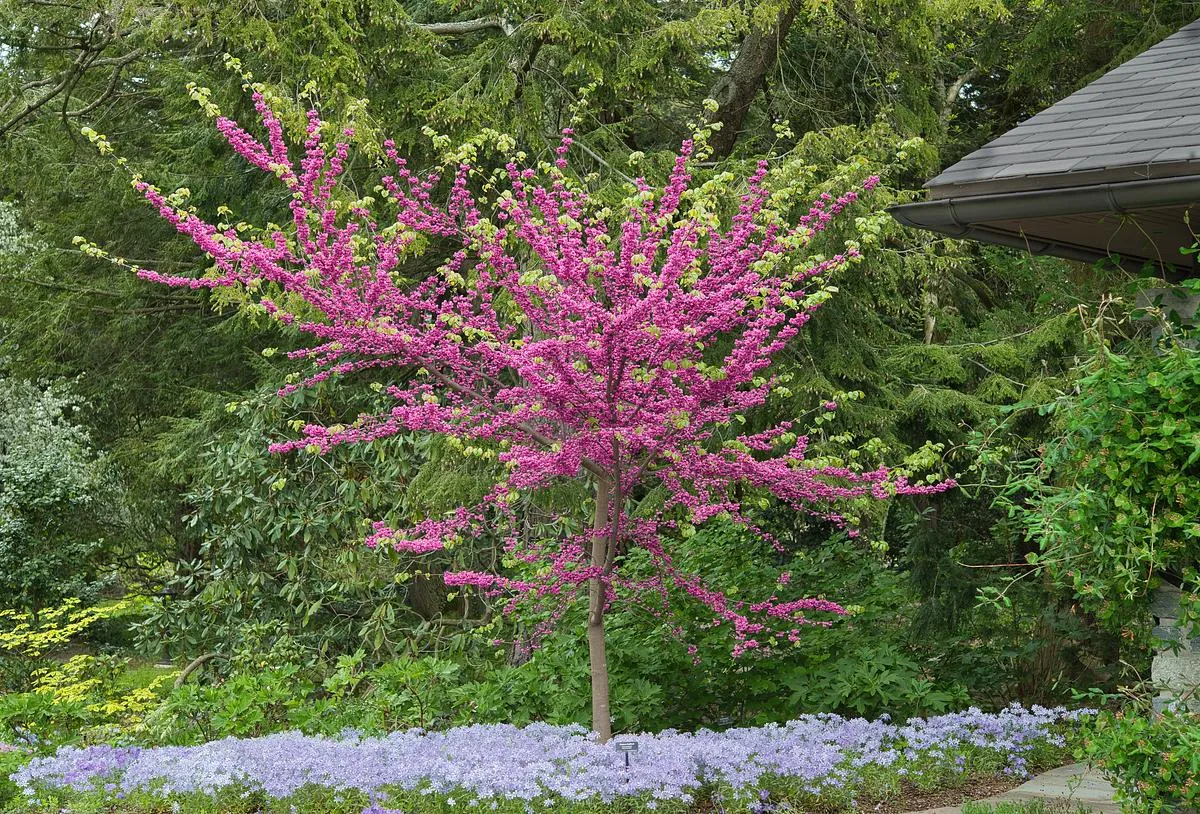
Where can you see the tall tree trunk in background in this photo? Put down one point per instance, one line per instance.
(949, 96)
(930, 303)
(736, 90)
(601, 713)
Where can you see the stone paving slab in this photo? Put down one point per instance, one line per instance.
(1076, 784)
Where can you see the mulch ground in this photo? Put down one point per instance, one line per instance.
(912, 799)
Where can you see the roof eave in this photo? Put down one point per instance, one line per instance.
(969, 216)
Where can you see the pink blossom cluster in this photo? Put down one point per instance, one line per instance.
(577, 344)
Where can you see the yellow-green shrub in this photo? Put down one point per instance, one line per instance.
(53, 699)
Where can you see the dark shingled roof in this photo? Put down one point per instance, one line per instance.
(1111, 169)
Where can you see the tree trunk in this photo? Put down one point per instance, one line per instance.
(737, 89)
(601, 714)
(931, 304)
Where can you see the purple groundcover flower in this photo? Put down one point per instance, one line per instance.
(543, 763)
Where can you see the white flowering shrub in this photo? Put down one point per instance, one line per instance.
(56, 499)
(14, 241)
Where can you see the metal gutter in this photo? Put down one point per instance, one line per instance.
(961, 213)
(969, 217)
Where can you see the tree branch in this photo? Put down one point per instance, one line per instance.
(111, 88)
(98, 292)
(77, 67)
(456, 29)
(595, 155)
(89, 57)
(194, 665)
(141, 312)
(952, 92)
(735, 91)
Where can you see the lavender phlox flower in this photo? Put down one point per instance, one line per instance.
(541, 764)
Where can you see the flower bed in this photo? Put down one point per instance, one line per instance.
(821, 760)
(11, 759)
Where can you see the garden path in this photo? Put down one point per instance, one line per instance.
(1076, 783)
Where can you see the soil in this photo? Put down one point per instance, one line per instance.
(913, 799)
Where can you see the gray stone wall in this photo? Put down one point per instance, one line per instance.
(1178, 304)
(1174, 672)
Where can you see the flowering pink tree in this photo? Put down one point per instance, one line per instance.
(573, 342)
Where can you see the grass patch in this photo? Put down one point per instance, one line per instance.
(139, 674)
(1027, 807)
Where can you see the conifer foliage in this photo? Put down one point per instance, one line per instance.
(567, 340)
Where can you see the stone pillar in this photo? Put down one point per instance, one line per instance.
(1174, 673)
(1180, 305)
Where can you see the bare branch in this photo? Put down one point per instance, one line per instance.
(455, 29)
(111, 88)
(37, 83)
(156, 309)
(95, 292)
(118, 62)
(952, 93)
(89, 57)
(194, 665)
(599, 158)
(32, 107)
